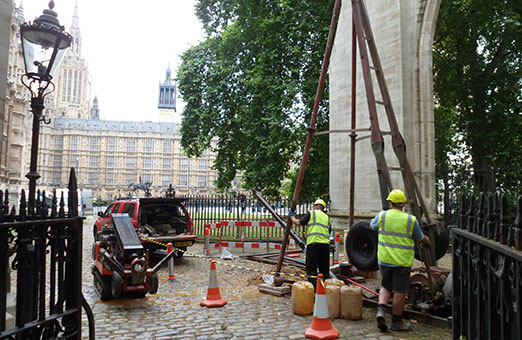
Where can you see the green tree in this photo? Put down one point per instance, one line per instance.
(250, 87)
(478, 88)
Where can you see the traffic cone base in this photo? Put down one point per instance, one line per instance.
(292, 247)
(321, 329)
(213, 299)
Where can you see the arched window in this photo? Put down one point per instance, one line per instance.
(69, 87)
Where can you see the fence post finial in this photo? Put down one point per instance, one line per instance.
(72, 201)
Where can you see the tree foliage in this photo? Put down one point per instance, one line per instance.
(478, 88)
(249, 87)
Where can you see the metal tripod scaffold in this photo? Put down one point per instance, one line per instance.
(363, 38)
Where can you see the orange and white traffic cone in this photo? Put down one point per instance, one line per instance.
(321, 328)
(214, 298)
(291, 246)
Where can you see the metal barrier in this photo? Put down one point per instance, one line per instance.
(44, 248)
(206, 209)
(487, 270)
(262, 234)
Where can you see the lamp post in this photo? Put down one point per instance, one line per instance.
(44, 43)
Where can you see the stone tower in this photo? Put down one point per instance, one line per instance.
(403, 32)
(167, 99)
(72, 96)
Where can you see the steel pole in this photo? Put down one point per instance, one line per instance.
(311, 128)
(37, 108)
(353, 135)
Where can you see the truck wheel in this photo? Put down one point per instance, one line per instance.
(116, 285)
(361, 246)
(153, 284)
(441, 243)
(102, 285)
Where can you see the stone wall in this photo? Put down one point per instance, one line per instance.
(6, 10)
(403, 32)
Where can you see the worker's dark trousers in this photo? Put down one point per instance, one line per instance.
(317, 255)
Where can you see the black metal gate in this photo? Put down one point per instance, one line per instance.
(44, 250)
(487, 270)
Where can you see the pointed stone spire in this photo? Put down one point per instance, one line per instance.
(95, 111)
(167, 93)
(19, 12)
(75, 32)
(75, 22)
(168, 73)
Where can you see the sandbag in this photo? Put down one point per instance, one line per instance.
(333, 282)
(351, 302)
(333, 298)
(302, 298)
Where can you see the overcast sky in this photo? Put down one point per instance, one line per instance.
(128, 45)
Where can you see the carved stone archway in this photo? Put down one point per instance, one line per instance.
(403, 31)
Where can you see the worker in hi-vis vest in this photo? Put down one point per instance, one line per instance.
(398, 232)
(318, 227)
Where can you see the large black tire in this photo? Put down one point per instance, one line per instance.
(153, 284)
(361, 246)
(116, 285)
(441, 243)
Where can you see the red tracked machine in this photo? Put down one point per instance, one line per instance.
(121, 264)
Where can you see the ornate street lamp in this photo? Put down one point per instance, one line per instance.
(44, 43)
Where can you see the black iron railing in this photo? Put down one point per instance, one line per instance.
(44, 251)
(487, 269)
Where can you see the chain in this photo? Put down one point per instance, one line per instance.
(230, 265)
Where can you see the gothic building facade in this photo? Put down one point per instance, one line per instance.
(108, 156)
(14, 120)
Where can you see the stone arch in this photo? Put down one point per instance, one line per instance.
(403, 32)
(424, 89)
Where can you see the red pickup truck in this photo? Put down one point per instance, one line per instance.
(159, 219)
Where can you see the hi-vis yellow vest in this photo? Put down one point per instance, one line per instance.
(396, 244)
(317, 229)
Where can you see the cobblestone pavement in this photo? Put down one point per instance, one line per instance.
(174, 312)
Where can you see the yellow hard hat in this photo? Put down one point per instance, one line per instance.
(397, 196)
(320, 202)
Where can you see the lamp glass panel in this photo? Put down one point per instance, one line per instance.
(38, 48)
(57, 61)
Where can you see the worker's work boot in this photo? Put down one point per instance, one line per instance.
(381, 322)
(401, 325)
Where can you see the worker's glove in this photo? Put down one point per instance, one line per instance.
(332, 247)
(291, 213)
